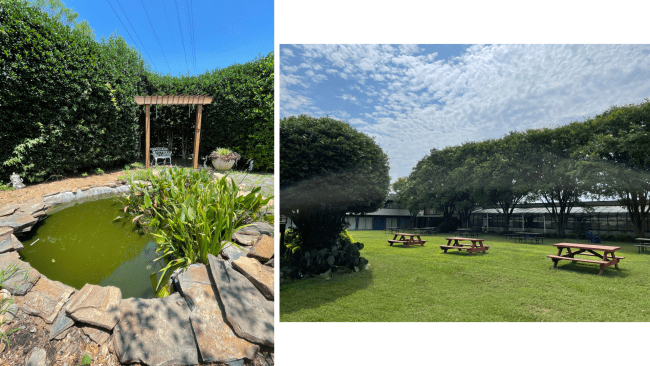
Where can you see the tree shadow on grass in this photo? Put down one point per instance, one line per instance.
(609, 272)
(311, 293)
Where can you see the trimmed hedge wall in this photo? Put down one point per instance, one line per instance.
(66, 101)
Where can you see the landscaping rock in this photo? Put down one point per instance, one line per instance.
(215, 339)
(231, 252)
(37, 357)
(96, 305)
(61, 324)
(257, 228)
(101, 190)
(62, 197)
(260, 275)
(98, 335)
(6, 230)
(82, 194)
(122, 189)
(17, 284)
(11, 310)
(243, 239)
(156, 332)
(31, 207)
(8, 210)
(47, 298)
(18, 220)
(270, 263)
(263, 249)
(248, 312)
(9, 242)
(23, 230)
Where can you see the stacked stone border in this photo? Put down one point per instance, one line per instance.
(221, 313)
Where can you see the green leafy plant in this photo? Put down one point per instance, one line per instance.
(192, 215)
(222, 151)
(6, 187)
(127, 167)
(137, 165)
(99, 171)
(11, 270)
(85, 360)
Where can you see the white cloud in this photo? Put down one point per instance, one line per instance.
(420, 101)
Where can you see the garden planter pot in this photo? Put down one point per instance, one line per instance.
(222, 164)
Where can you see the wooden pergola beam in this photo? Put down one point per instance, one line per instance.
(199, 100)
(173, 99)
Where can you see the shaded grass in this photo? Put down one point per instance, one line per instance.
(513, 282)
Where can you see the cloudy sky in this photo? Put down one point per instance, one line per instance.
(412, 98)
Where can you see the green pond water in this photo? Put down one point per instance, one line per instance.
(83, 244)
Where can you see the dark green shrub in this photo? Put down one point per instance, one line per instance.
(67, 101)
(449, 224)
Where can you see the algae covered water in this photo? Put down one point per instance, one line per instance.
(84, 243)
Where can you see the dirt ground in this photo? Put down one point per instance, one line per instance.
(40, 189)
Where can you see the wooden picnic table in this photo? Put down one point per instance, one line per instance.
(475, 246)
(428, 230)
(643, 243)
(533, 235)
(467, 230)
(403, 239)
(607, 259)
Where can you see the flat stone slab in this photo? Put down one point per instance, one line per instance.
(98, 335)
(231, 252)
(243, 239)
(38, 357)
(47, 298)
(215, 339)
(270, 263)
(9, 242)
(31, 207)
(18, 220)
(96, 305)
(8, 210)
(17, 283)
(260, 275)
(61, 324)
(156, 332)
(263, 249)
(257, 228)
(6, 230)
(248, 312)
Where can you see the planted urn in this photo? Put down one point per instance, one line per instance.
(223, 159)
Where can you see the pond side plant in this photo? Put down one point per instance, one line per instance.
(191, 214)
(5, 275)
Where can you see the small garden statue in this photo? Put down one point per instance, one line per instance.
(16, 181)
(223, 159)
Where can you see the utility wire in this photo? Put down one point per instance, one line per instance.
(191, 16)
(136, 33)
(181, 28)
(155, 35)
(118, 18)
(168, 22)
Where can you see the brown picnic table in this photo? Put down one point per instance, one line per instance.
(475, 246)
(606, 259)
(407, 239)
(643, 243)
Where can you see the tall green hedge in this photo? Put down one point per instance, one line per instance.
(66, 101)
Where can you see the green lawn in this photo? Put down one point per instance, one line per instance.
(513, 282)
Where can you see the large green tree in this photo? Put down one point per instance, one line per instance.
(328, 169)
(618, 162)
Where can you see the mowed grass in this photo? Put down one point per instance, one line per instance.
(513, 282)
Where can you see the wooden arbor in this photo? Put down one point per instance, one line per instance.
(199, 100)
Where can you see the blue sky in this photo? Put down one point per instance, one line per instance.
(412, 98)
(177, 36)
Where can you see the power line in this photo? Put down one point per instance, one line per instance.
(118, 18)
(182, 40)
(155, 35)
(136, 33)
(191, 17)
(168, 22)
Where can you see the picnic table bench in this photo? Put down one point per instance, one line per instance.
(607, 259)
(403, 239)
(470, 231)
(427, 230)
(475, 246)
(641, 246)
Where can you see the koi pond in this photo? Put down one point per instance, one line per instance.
(82, 242)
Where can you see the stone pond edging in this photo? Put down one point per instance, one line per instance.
(219, 313)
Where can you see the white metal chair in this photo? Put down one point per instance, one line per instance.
(161, 153)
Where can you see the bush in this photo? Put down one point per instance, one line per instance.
(328, 168)
(193, 215)
(449, 224)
